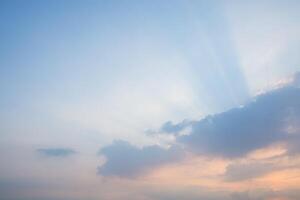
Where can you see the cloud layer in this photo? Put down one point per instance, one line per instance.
(269, 118)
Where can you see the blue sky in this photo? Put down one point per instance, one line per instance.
(83, 82)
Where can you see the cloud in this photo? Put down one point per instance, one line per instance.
(259, 123)
(263, 194)
(170, 128)
(56, 152)
(126, 160)
(269, 118)
(296, 79)
(246, 171)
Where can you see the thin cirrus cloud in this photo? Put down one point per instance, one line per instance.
(56, 152)
(269, 118)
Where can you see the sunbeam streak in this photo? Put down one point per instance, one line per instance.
(149, 100)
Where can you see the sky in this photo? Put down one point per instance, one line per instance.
(149, 100)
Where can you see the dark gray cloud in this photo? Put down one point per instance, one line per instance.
(56, 152)
(238, 131)
(126, 160)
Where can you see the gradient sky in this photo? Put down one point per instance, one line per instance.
(149, 100)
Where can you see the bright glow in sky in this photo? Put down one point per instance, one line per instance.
(149, 100)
